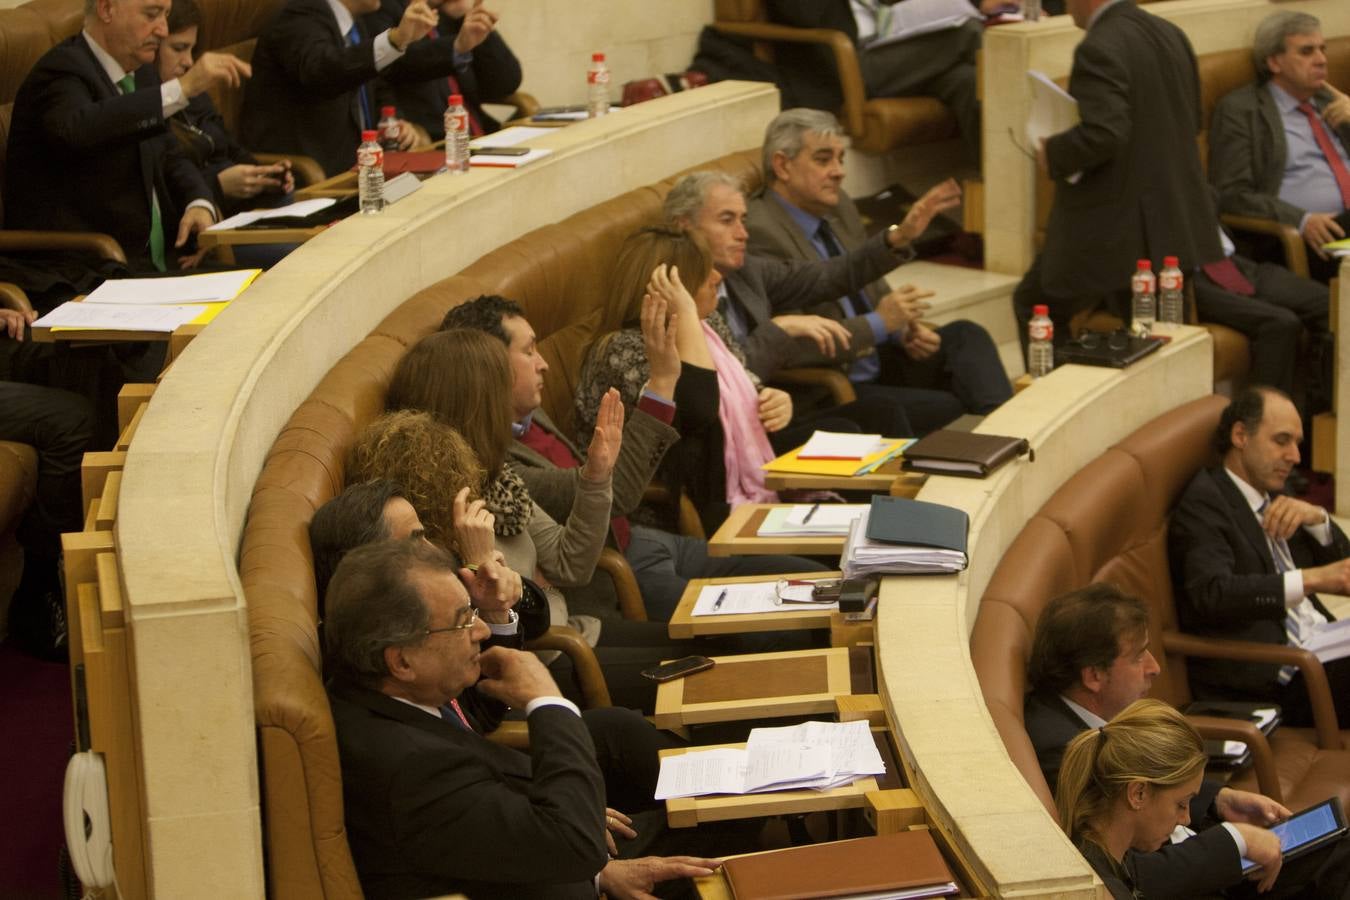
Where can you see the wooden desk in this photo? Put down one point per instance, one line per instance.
(889, 478)
(686, 812)
(737, 536)
(684, 624)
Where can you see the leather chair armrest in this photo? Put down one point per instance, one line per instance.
(1215, 728)
(688, 522)
(613, 564)
(836, 382)
(1314, 675)
(512, 734)
(845, 60)
(304, 168)
(1295, 250)
(13, 297)
(525, 104)
(594, 689)
(101, 245)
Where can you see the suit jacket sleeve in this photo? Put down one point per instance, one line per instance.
(76, 120)
(567, 554)
(1197, 866)
(494, 73)
(1101, 85)
(551, 833)
(307, 47)
(1235, 131)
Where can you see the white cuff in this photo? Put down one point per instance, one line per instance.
(171, 97)
(1321, 532)
(550, 701)
(1237, 838)
(385, 52)
(208, 206)
(508, 628)
(1293, 588)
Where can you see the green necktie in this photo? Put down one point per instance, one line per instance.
(128, 86)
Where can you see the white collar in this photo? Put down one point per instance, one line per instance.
(111, 66)
(343, 16)
(1090, 719)
(1255, 499)
(429, 710)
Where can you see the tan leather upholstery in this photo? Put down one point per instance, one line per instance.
(1108, 523)
(18, 483)
(558, 273)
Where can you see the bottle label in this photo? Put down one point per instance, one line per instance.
(597, 76)
(370, 155)
(1169, 281)
(1041, 330)
(1143, 284)
(457, 122)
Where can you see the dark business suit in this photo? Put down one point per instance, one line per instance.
(965, 375)
(1227, 586)
(1142, 193)
(304, 94)
(83, 156)
(203, 138)
(434, 809)
(491, 76)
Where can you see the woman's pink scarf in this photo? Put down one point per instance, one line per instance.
(745, 446)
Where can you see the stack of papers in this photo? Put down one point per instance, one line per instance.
(1053, 111)
(248, 217)
(151, 304)
(816, 755)
(794, 462)
(751, 597)
(1338, 248)
(210, 287)
(508, 137)
(810, 520)
(1330, 640)
(864, 556)
(836, 445)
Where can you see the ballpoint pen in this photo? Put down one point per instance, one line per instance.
(810, 512)
(717, 604)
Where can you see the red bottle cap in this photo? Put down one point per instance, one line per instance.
(386, 112)
(597, 57)
(1040, 309)
(1170, 262)
(1144, 265)
(455, 100)
(369, 135)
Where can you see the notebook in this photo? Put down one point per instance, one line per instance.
(902, 864)
(963, 453)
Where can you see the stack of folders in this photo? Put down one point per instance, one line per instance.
(816, 755)
(898, 536)
(896, 866)
(811, 520)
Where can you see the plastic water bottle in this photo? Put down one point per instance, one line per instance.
(1040, 342)
(597, 87)
(388, 128)
(456, 135)
(370, 179)
(1144, 287)
(1171, 298)
(1031, 10)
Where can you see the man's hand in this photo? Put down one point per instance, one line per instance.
(902, 306)
(921, 342)
(658, 338)
(942, 196)
(478, 24)
(617, 823)
(607, 439)
(1337, 112)
(495, 589)
(1244, 806)
(1286, 515)
(418, 19)
(514, 677)
(1263, 848)
(775, 409)
(831, 337)
(1333, 578)
(473, 524)
(213, 68)
(243, 181)
(1319, 229)
(12, 322)
(194, 221)
(633, 879)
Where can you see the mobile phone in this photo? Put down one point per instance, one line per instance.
(498, 151)
(1307, 830)
(678, 668)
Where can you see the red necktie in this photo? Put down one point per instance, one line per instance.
(1226, 275)
(1328, 149)
(454, 704)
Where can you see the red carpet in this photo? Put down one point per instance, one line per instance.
(35, 719)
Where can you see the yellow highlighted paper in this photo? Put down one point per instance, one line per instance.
(790, 463)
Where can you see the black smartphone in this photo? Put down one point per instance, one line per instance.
(498, 151)
(678, 668)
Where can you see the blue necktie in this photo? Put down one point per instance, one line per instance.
(354, 40)
(865, 368)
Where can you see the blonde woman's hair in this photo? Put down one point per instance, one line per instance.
(640, 253)
(1148, 741)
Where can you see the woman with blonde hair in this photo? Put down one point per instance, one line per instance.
(1127, 786)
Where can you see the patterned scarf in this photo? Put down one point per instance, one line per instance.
(507, 498)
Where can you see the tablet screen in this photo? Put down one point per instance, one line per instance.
(1304, 829)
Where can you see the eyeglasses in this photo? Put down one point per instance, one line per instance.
(473, 620)
(795, 591)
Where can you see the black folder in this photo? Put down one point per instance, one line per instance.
(914, 523)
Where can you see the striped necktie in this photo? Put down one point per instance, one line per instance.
(128, 86)
(455, 716)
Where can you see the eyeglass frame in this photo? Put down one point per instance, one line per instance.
(473, 620)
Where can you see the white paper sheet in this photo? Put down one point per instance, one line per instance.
(827, 520)
(837, 445)
(1053, 111)
(756, 597)
(248, 217)
(111, 317)
(509, 137)
(915, 17)
(867, 557)
(211, 287)
(487, 160)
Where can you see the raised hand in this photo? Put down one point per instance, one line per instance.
(478, 24)
(606, 440)
(666, 284)
(659, 326)
(494, 588)
(214, 68)
(473, 524)
(942, 196)
(831, 337)
(418, 20)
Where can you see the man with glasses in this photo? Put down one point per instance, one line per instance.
(431, 806)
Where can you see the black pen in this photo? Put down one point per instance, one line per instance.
(810, 512)
(717, 604)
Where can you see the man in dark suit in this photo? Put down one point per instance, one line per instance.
(1248, 561)
(313, 88)
(1280, 147)
(803, 214)
(484, 68)
(88, 147)
(432, 807)
(764, 300)
(1128, 183)
(1090, 660)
